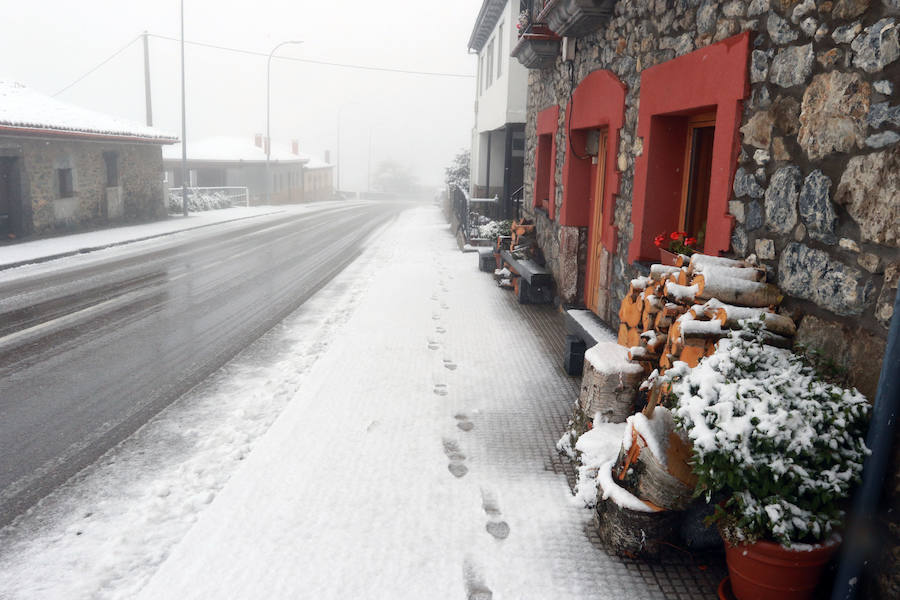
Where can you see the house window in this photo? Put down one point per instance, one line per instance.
(698, 155)
(545, 160)
(112, 168)
(683, 178)
(66, 188)
(500, 51)
(489, 67)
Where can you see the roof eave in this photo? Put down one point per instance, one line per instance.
(87, 135)
(482, 28)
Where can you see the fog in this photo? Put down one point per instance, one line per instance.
(419, 121)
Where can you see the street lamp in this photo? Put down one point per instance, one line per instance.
(268, 140)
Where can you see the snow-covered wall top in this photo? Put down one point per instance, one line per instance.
(22, 108)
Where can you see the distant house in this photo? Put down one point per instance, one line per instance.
(64, 167)
(498, 138)
(237, 162)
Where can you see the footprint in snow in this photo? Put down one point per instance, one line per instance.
(441, 389)
(495, 525)
(440, 329)
(449, 364)
(435, 317)
(457, 458)
(476, 588)
(433, 345)
(463, 422)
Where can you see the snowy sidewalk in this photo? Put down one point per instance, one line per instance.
(416, 461)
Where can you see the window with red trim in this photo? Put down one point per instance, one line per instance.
(543, 173)
(545, 161)
(689, 119)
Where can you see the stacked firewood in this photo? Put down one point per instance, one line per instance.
(679, 312)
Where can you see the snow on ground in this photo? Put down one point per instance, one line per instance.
(105, 532)
(41, 249)
(410, 463)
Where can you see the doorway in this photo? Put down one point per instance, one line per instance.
(10, 202)
(595, 250)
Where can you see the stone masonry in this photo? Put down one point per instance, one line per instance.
(139, 195)
(815, 195)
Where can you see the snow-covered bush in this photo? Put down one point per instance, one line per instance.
(492, 229)
(782, 446)
(199, 200)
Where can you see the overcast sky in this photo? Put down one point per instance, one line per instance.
(420, 121)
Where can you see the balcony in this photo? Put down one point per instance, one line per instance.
(537, 48)
(575, 18)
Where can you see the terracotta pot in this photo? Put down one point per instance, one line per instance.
(667, 258)
(769, 571)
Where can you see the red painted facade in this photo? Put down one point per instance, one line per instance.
(545, 159)
(712, 78)
(597, 103)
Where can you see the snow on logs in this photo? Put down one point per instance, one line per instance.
(691, 306)
(609, 383)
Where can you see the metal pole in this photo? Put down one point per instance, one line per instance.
(147, 100)
(369, 165)
(268, 140)
(184, 171)
(338, 157)
(862, 537)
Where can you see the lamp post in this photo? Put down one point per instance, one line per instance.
(268, 140)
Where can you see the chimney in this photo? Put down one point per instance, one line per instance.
(295, 147)
(328, 156)
(257, 140)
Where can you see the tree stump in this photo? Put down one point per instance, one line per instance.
(609, 383)
(629, 532)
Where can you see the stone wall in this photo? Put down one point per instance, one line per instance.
(815, 196)
(140, 178)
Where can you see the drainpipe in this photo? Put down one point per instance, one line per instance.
(862, 534)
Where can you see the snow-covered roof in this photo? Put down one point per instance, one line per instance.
(24, 110)
(233, 149)
(315, 163)
(490, 13)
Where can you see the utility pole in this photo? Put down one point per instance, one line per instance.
(268, 140)
(369, 164)
(147, 100)
(338, 157)
(184, 171)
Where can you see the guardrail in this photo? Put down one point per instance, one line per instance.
(209, 198)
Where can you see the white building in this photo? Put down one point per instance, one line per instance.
(498, 139)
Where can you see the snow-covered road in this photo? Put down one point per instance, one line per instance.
(409, 461)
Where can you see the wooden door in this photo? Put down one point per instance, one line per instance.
(595, 246)
(7, 198)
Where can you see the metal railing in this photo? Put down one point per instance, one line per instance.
(209, 198)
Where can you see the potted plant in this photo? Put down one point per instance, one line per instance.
(782, 448)
(672, 244)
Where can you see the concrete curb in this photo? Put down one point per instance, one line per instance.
(86, 250)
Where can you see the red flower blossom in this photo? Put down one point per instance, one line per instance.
(690, 241)
(675, 235)
(658, 240)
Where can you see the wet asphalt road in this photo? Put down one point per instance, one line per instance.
(89, 354)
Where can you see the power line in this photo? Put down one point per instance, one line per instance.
(100, 64)
(317, 62)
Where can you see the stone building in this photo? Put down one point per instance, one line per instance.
(63, 167)
(236, 162)
(763, 127)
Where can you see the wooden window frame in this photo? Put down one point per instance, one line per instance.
(698, 121)
(545, 167)
(66, 180)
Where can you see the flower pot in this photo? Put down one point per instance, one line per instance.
(769, 571)
(668, 258)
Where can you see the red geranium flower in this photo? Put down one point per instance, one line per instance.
(690, 241)
(675, 235)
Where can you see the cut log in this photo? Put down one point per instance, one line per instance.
(667, 316)
(630, 310)
(633, 337)
(736, 291)
(623, 335)
(731, 316)
(704, 259)
(748, 273)
(659, 272)
(631, 533)
(609, 383)
(692, 353)
(681, 294)
(653, 481)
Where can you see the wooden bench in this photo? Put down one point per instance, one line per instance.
(535, 283)
(584, 330)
